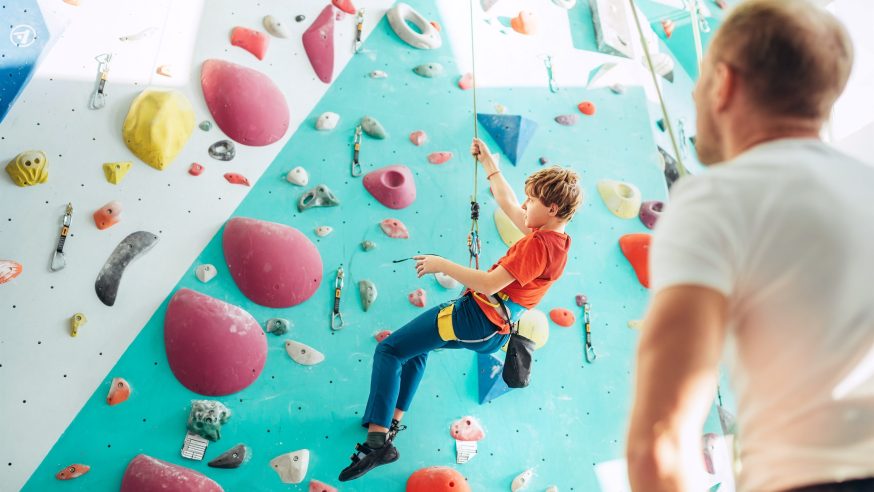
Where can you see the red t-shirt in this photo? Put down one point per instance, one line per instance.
(535, 262)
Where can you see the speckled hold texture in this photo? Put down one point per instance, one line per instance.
(320, 196)
(207, 417)
(129, 249)
(223, 150)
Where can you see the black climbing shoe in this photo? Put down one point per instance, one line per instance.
(366, 459)
(393, 431)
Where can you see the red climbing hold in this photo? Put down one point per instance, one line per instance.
(344, 5)
(195, 169)
(668, 27)
(436, 25)
(587, 108)
(635, 247)
(317, 486)
(235, 178)
(465, 82)
(437, 479)
(562, 317)
(382, 335)
(254, 42)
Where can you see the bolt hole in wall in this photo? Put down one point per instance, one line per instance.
(511, 73)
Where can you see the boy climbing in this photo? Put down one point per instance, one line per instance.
(477, 320)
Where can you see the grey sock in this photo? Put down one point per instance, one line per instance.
(375, 440)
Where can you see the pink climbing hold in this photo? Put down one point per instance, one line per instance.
(650, 213)
(253, 41)
(382, 335)
(317, 486)
(245, 103)
(344, 5)
(437, 479)
(418, 137)
(145, 473)
(439, 157)
(235, 178)
(318, 42)
(274, 265)
(195, 169)
(392, 186)
(467, 429)
(562, 317)
(466, 81)
(394, 228)
(418, 298)
(214, 348)
(581, 300)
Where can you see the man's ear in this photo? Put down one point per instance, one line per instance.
(724, 85)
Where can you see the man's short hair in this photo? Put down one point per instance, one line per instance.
(556, 186)
(794, 56)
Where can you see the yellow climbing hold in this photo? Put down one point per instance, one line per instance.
(635, 324)
(76, 322)
(158, 125)
(534, 325)
(623, 199)
(29, 168)
(116, 171)
(506, 228)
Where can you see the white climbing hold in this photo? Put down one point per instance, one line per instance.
(292, 467)
(378, 74)
(275, 27)
(145, 33)
(402, 15)
(552, 488)
(327, 121)
(323, 231)
(663, 65)
(522, 480)
(303, 354)
(298, 176)
(621, 198)
(205, 273)
(446, 281)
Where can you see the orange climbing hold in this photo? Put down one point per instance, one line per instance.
(9, 269)
(72, 471)
(437, 479)
(465, 82)
(253, 41)
(668, 26)
(119, 391)
(344, 5)
(436, 25)
(108, 215)
(635, 247)
(562, 317)
(524, 23)
(587, 108)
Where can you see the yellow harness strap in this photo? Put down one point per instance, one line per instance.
(444, 324)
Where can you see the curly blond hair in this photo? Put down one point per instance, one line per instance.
(558, 186)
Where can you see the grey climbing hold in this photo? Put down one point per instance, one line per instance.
(368, 245)
(567, 119)
(223, 150)
(368, 292)
(617, 89)
(130, 248)
(429, 70)
(233, 457)
(300, 18)
(275, 27)
(373, 127)
(205, 125)
(278, 326)
(207, 417)
(320, 196)
(327, 121)
(378, 74)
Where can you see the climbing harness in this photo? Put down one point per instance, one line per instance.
(336, 316)
(359, 27)
(98, 97)
(58, 260)
(474, 246)
(356, 166)
(553, 85)
(512, 313)
(668, 125)
(587, 323)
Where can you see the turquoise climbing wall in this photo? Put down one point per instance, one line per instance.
(572, 416)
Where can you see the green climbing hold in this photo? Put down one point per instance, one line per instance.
(429, 70)
(373, 128)
(205, 125)
(278, 326)
(207, 417)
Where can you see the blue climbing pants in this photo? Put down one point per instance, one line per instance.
(399, 360)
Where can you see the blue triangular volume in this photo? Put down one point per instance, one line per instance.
(491, 383)
(21, 50)
(511, 132)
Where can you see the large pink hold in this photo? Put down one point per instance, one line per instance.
(393, 186)
(650, 213)
(254, 42)
(214, 348)
(317, 486)
(146, 474)
(273, 264)
(467, 429)
(318, 42)
(245, 103)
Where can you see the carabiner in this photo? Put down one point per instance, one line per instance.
(359, 27)
(356, 166)
(336, 316)
(553, 85)
(590, 350)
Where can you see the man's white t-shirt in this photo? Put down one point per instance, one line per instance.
(786, 232)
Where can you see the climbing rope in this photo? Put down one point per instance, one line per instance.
(668, 125)
(473, 241)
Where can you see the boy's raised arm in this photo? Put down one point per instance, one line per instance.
(501, 189)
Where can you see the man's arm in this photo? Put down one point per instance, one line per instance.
(677, 366)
